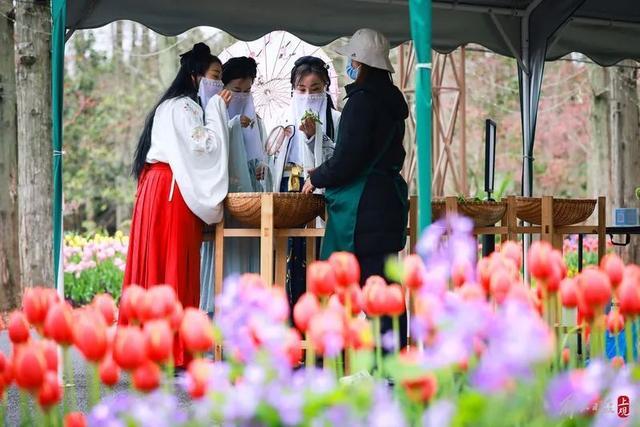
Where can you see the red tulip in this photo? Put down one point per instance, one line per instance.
(278, 304)
(176, 317)
(106, 306)
(374, 292)
(460, 273)
(321, 279)
(7, 375)
(596, 287)
(500, 285)
(157, 303)
(51, 391)
(569, 293)
(614, 267)
(90, 334)
(513, 251)
(59, 323)
(483, 274)
(146, 377)
(159, 340)
(196, 331)
(471, 292)
(421, 389)
(414, 272)
(557, 272)
(629, 298)
(326, 331)
(3, 363)
(293, 347)
(615, 322)
(356, 298)
(75, 419)
(129, 347)
(131, 301)
(306, 307)
(50, 352)
(109, 371)
(30, 366)
(540, 259)
(519, 292)
(394, 300)
(335, 304)
(198, 377)
(566, 356)
(346, 268)
(18, 328)
(359, 334)
(36, 303)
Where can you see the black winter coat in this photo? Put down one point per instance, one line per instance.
(371, 112)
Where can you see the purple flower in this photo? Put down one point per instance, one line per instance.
(439, 414)
(576, 391)
(623, 389)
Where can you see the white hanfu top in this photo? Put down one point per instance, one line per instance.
(197, 152)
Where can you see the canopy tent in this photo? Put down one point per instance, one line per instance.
(531, 31)
(317, 22)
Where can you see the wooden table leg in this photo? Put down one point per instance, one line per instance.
(311, 254)
(546, 233)
(602, 224)
(281, 261)
(512, 219)
(218, 260)
(218, 270)
(266, 238)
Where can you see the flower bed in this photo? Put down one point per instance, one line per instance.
(93, 266)
(481, 352)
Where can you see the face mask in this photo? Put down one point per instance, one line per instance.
(239, 104)
(303, 102)
(207, 89)
(351, 71)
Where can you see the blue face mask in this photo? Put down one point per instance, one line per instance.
(351, 71)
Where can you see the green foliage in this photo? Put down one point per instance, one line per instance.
(80, 288)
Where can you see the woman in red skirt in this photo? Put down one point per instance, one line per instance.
(181, 167)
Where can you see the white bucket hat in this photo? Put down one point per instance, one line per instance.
(370, 47)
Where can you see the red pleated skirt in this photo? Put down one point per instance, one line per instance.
(164, 243)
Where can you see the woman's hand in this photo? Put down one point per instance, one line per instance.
(308, 127)
(308, 187)
(226, 96)
(245, 121)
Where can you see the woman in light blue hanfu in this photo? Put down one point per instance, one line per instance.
(248, 172)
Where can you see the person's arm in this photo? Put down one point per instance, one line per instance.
(204, 137)
(352, 152)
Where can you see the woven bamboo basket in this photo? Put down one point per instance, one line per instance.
(290, 210)
(565, 211)
(483, 213)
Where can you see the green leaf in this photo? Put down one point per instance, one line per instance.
(394, 270)
(362, 360)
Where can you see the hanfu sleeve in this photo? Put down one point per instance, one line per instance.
(203, 137)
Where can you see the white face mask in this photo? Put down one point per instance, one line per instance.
(303, 102)
(239, 104)
(207, 89)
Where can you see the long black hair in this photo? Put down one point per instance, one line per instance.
(194, 63)
(313, 65)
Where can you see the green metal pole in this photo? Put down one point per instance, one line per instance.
(59, 14)
(421, 32)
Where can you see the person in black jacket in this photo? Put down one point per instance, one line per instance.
(367, 198)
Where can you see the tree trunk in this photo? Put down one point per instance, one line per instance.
(625, 143)
(168, 59)
(33, 81)
(9, 249)
(599, 181)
